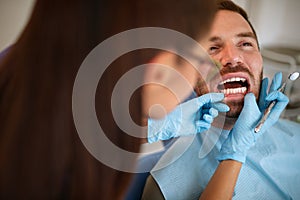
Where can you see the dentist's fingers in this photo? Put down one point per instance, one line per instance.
(276, 82)
(278, 96)
(210, 98)
(281, 102)
(202, 125)
(250, 105)
(208, 118)
(213, 112)
(262, 103)
(221, 107)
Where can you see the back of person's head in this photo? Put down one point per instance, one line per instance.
(41, 154)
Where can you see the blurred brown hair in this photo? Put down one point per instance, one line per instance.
(41, 155)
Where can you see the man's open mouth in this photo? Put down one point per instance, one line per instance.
(234, 85)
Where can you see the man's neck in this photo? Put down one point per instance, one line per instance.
(224, 122)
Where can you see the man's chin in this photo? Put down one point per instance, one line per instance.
(230, 115)
(235, 109)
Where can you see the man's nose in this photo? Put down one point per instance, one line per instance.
(230, 56)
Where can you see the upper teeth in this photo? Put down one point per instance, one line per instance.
(239, 90)
(233, 80)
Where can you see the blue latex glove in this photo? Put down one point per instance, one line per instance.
(276, 83)
(242, 136)
(191, 117)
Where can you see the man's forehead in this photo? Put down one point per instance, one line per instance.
(229, 23)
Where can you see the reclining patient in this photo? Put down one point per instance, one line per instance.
(228, 159)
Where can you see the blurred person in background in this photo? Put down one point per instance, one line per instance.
(41, 154)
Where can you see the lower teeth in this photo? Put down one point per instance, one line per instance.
(240, 90)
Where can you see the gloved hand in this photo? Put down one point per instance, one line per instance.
(191, 117)
(242, 136)
(276, 83)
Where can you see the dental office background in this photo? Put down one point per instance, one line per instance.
(276, 23)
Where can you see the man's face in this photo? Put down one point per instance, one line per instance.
(232, 43)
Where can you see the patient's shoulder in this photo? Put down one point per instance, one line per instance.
(288, 126)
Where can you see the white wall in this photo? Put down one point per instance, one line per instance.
(242, 3)
(276, 21)
(13, 16)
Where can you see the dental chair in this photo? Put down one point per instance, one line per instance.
(286, 60)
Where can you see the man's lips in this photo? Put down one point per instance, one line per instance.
(233, 84)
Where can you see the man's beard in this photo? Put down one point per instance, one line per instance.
(235, 108)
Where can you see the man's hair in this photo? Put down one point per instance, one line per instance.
(231, 6)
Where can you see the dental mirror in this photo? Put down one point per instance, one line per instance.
(294, 76)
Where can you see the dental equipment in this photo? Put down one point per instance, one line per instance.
(292, 77)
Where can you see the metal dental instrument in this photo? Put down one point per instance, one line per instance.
(292, 77)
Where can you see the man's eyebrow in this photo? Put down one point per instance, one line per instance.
(243, 34)
(214, 39)
(246, 34)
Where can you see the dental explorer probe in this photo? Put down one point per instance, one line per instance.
(292, 77)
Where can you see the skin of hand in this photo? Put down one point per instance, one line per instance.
(222, 183)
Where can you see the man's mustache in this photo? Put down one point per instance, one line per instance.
(227, 70)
